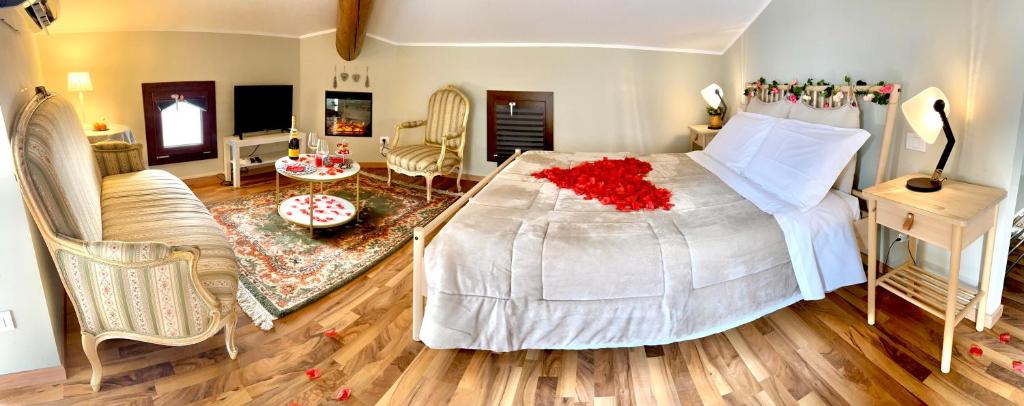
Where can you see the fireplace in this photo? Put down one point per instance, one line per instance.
(348, 114)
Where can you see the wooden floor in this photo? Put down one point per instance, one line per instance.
(820, 352)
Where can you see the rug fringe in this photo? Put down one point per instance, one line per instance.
(252, 307)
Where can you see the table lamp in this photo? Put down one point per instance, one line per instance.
(713, 96)
(926, 113)
(80, 82)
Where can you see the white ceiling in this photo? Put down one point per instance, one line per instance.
(708, 26)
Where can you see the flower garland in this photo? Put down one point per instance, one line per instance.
(878, 96)
(615, 182)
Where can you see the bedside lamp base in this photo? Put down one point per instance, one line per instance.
(924, 185)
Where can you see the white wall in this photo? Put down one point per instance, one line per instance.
(29, 286)
(605, 99)
(962, 47)
(119, 62)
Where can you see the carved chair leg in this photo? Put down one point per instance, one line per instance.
(389, 176)
(89, 345)
(458, 180)
(430, 180)
(229, 333)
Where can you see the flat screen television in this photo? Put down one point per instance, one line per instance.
(262, 108)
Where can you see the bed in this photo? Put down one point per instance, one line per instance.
(519, 263)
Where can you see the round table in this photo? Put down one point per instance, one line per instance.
(114, 132)
(316, 210)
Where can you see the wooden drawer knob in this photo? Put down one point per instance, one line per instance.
(909, 221)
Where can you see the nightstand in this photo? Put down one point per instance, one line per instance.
(951, 218)
(700, 136)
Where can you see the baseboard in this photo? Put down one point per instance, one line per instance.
(992, 318)
(34, 377)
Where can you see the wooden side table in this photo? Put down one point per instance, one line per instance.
(700, 136)
(951, 218)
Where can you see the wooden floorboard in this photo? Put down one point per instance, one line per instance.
(811, 353)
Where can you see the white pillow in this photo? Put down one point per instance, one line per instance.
(847, 116)
(778, 109)
(738, 141)
(798, 161)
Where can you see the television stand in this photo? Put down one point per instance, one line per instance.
(234, 162)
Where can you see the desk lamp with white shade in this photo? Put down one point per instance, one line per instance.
(926, 112)
(713, 96)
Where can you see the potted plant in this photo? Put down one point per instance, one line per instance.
(715, 117)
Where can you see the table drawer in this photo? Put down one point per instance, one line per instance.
(925, 226)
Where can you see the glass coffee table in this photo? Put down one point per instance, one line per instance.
(315, 210)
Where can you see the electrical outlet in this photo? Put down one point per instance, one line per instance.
(385, 140)
(6, 321)
(915, 142)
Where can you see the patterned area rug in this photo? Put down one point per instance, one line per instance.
(284, 269)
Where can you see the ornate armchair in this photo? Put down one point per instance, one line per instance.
(138, 254)
(443, 141)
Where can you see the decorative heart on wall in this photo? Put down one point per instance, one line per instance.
(614, 182)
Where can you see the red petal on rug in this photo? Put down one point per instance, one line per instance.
(976, 350)
(1004, 337)
(293, 404)
(331, 333)
(613, 182)
(343, 394)
(313, 373)
(1018, 366)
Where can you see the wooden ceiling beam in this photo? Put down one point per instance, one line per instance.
(353, 16)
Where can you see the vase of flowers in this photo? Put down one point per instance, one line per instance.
(715, 118)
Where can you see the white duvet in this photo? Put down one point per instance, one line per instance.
(527, 265)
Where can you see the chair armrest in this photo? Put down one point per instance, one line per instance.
(411, 124)
(405, 125)
(444, 145)
(140, 288)
(117, 157)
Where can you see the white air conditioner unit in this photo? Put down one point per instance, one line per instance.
(41, 12)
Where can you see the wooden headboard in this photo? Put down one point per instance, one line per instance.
(817, 100)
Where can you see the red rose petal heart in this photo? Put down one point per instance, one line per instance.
(313, 373)
(614, 182)
(331, 333)
(1004, 337)
(976, 350)
(1018, 366)
(343, 394)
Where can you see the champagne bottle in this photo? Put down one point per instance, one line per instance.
(293, 142)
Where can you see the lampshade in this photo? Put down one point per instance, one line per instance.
(79, 82)
(710, 97)
(920, 113)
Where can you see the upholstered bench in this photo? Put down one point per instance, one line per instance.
(137, 252)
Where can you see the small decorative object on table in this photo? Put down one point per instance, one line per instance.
(340, 156)
(100, 125)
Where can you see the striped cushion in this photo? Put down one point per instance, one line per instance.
(156, 301)
(446, 114)
(116, 157)
(58, 169)
(153, 205)
(422, 158)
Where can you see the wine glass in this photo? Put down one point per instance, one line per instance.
(312, 142)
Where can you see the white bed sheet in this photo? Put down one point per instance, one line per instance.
(821, 241)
